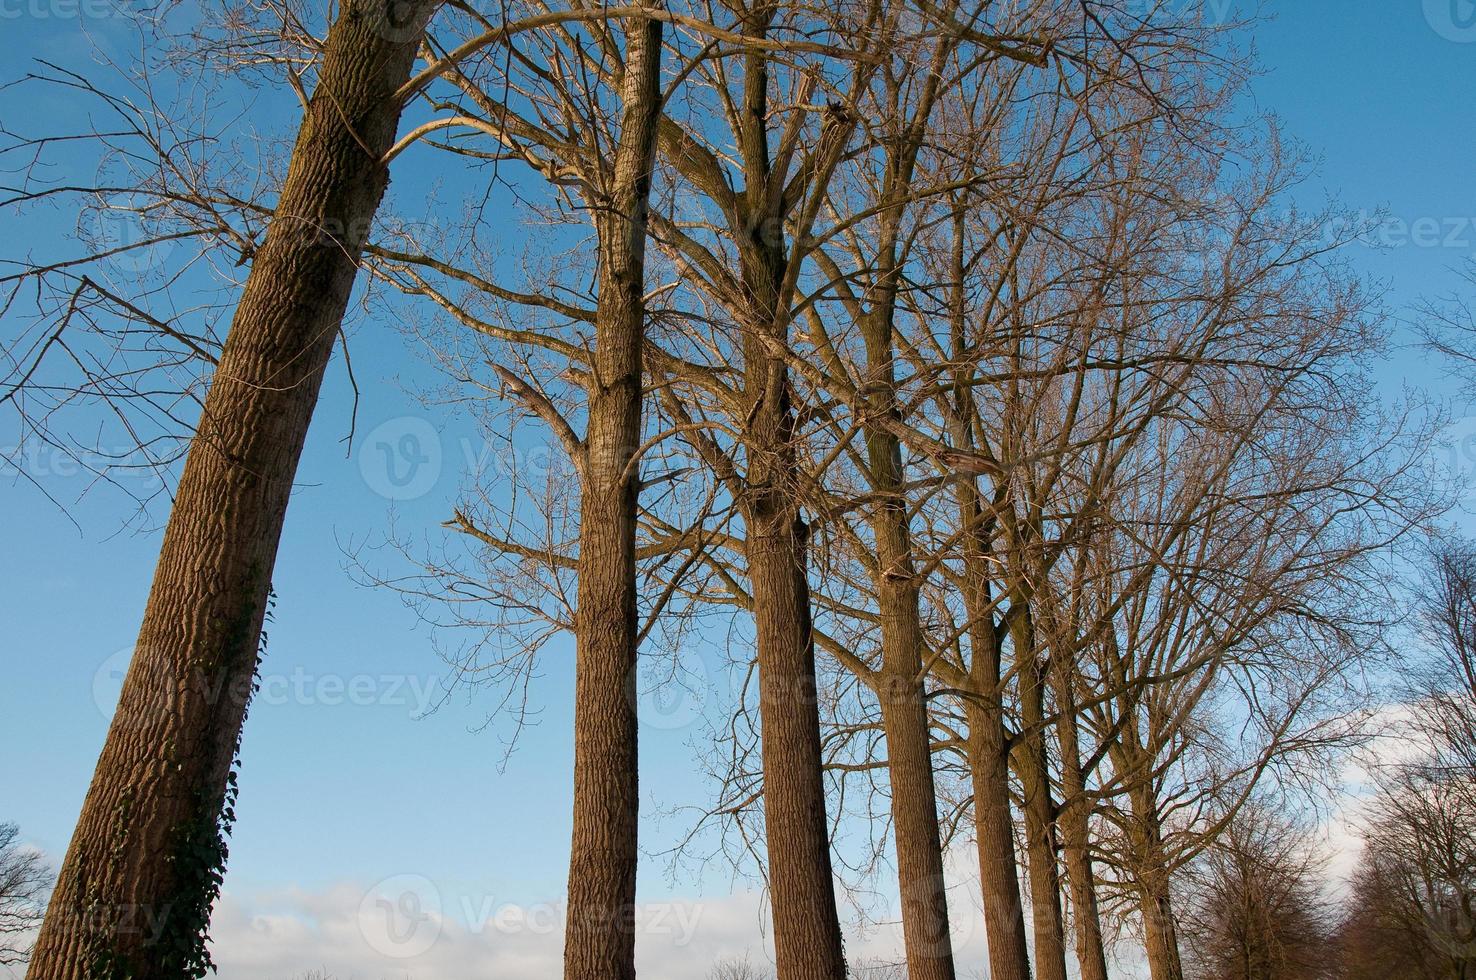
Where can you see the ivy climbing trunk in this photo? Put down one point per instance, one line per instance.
(134, 893)
(600, 939)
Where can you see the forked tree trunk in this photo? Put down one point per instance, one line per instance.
(599, 941)
(914, 800)
(807, 937)
(134, 893)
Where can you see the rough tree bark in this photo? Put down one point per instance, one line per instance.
(1040, 819)
(1075, 825)
(915, 831)
(999, 875)
(134, 892)
(918, 844)
(807, 937)
(988, 748)
(600, 937)
(1160, 933)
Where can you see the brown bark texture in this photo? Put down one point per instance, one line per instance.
(134, 892)
(600, 939)
(807, 937)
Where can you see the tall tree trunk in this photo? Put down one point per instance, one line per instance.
(999, 876)
(600, 938)
(988, 740)
(929, 946)
(915, 831)
(1086, 920)
(134, 893)
(1040, 817)
(919, 849)
(1160, 934)
(807, 936)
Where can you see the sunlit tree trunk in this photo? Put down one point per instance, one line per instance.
(1040, 817)
(988, 739)
(1160, 934)
(919, 848)
(134, 893)
(1074, 823)
(807, 937)
(600, 939)
(999, 876)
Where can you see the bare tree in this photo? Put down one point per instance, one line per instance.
(24, 879)
(736, 969)
(1254, 903)
(1410, 911)
(135, 890)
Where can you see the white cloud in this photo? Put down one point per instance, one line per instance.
(401, 929)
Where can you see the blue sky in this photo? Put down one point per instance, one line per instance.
(342, 784)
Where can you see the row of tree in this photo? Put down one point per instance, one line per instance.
(968, 363)
(1261, 901)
